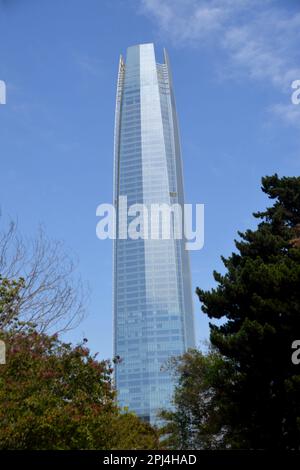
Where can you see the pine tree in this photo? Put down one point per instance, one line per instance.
(258, 299)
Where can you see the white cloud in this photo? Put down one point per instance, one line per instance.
(186, 21)
(266, 47)
(191, 20)
(259, 38)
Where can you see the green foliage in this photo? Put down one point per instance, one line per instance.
(9, 298)
(257, 404)
(55, 396)
(197, 420)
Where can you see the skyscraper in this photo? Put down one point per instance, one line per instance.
(153, 310)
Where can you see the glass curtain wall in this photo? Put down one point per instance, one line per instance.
(153, 309)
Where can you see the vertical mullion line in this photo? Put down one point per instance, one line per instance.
(117, 131)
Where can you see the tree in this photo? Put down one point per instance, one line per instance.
(259, 298)
(196, 419)
(253, 388)
(55, 396)
(9, 298)
(50, 292)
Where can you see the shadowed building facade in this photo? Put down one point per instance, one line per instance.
(152, 302)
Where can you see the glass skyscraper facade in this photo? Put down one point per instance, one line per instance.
(152, 300)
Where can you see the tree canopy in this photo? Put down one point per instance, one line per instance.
(56, 396)
(246, 392)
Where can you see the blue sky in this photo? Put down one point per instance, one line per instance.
(233, 63)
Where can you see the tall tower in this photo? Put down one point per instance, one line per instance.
(153, 309)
